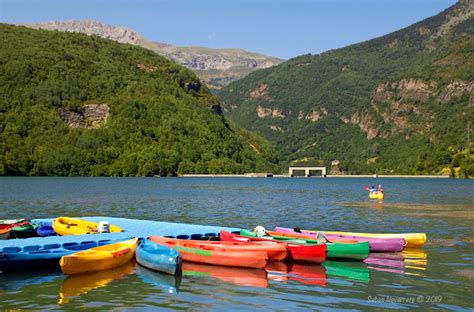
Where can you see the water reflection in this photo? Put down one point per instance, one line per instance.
(237, 276)
(77, 285)
(305, 273)
(169, 283)
(400, 263)
(316, 274)
(16, 281)
(352, 270)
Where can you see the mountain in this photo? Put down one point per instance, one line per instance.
(399, 104)
(216, 67)
(72, 104)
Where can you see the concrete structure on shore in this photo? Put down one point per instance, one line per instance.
(307, 170)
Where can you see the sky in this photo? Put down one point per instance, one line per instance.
(281, 28)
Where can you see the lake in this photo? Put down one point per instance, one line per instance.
(441, 275)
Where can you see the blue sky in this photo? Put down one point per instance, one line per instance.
(282, 28)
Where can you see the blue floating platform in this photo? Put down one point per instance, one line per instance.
(131, 227)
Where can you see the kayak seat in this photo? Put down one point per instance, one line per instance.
(182, 237)
(196, 236)
(211, 234)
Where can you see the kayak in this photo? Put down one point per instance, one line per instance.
(354, 251)
(36, 256)
(245, 259)
(307, 236)
(158, 257)
(348, 251)
(11, 225)
(411, 239)
(24, 230)
(275, 252)
(296, 252)
(238, 276)
(376, 195)
(375, 244)
(11, 221)
(99, 258)
(72, 226)
(80, 284)
(4, 233)
(45, 230)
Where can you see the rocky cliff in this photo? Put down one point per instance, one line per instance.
(216, 67)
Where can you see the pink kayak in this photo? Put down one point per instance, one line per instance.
(375, 244)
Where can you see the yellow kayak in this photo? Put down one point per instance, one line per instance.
(99, 258)
(411, 239)
(376, 195)
(72, 226)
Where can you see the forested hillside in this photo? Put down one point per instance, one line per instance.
(402, 103)
(72, 104)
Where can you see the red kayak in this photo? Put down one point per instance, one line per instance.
(307, 253)
(12, 225)
(275, 251)
(207, 255)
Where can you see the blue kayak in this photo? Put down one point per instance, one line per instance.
(158, 257)
(48, 255)
(46, 230)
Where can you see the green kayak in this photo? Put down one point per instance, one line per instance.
(339, 251)
(24, 231)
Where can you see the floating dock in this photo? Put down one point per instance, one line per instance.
(131, 227)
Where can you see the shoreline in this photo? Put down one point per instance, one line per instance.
(269, 175)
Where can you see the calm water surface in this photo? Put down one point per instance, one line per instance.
(441, 275)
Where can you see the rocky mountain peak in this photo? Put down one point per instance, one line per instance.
(91, 27)
(216, 67)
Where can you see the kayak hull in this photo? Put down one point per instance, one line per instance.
(24, 231)
(158, 257)
(347, 251)
(71, 226)
(355, 251)
(246, 259)
(376, 195)
(4, 233)
(375, 244)
(296, 252)
(45, 230)
(99, 258)
(411, 239)
(275, 252)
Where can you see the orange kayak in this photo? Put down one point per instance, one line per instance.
(275, 251)
(206, 254)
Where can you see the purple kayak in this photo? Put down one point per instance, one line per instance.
(375, 244)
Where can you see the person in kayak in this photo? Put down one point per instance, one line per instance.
(372, 189)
